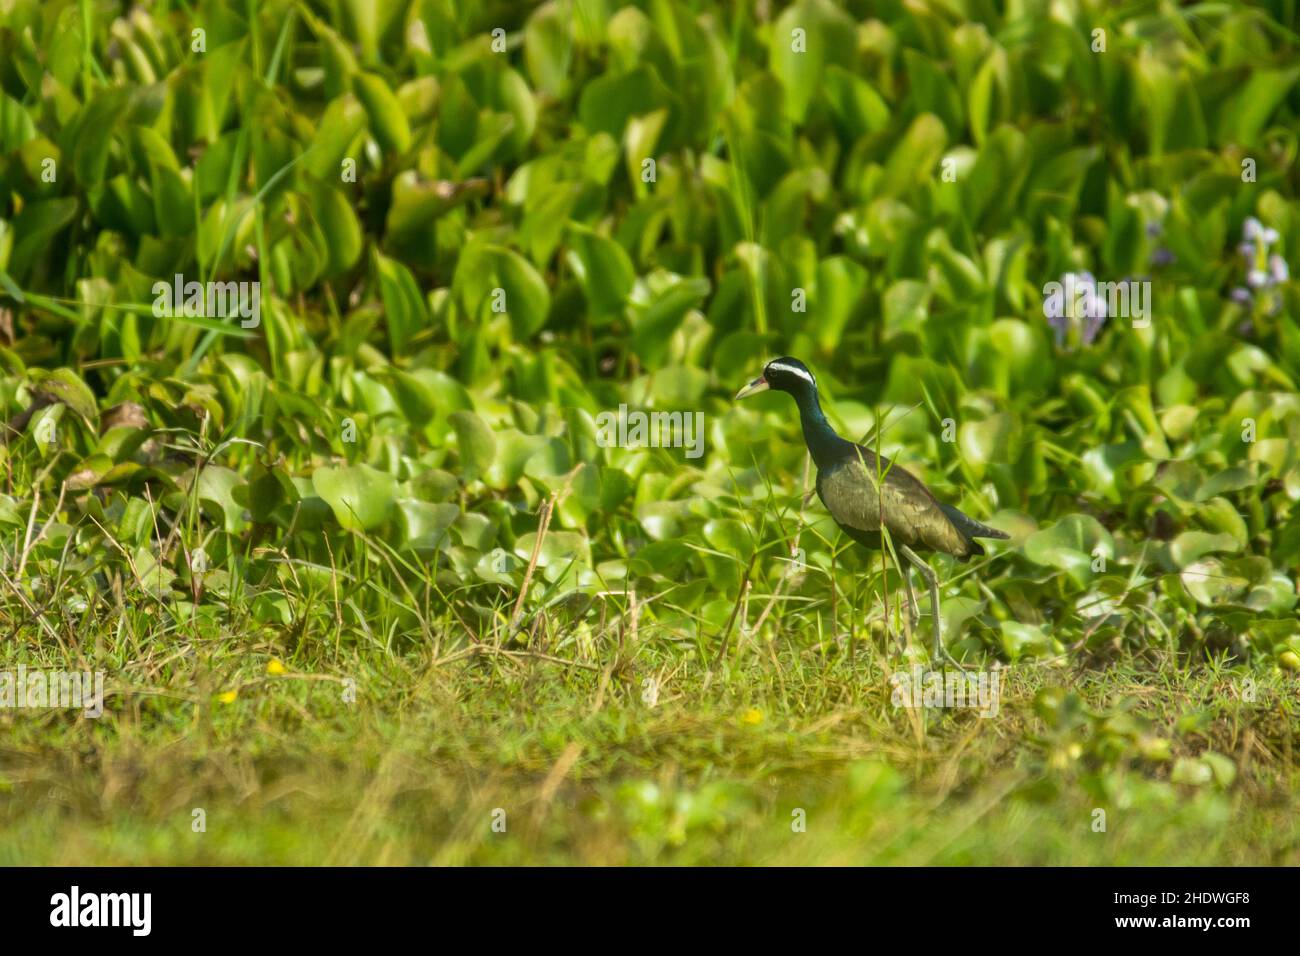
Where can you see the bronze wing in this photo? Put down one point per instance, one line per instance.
(912, 515)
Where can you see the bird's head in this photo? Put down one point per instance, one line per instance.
(782, 375)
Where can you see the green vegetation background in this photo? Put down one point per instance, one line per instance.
(300, 552)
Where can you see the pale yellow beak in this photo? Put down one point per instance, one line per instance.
(753, 388)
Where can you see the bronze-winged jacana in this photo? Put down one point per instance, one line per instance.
(849, 487)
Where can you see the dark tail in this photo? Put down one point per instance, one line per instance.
(970, 527)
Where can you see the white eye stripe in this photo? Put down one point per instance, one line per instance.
(803, 374)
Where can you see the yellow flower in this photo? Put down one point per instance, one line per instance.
(752, 716)
(228, 697)
(275, 668)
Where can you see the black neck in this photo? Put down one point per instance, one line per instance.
(826, 446)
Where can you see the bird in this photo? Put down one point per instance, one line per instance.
(858, 487)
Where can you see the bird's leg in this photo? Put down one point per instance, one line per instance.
(911, 597)
(927, 572)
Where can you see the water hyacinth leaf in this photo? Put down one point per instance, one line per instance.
(990, 440)
(339, 225)
(730, 537)
(412, 225)
(1220, 514)
(584, 497)
(514, 449)
(550, 462)
(806, 38)
(608, 103)
(1023, 640)
(216, 488)
(661, 559)
(528, 300)
(387, 121)
(915, 157)
(424, 525)
(267, 489)
(548, 48)
(151, 575)
(1105, 464)
(65, 386)
(415, 395)
(906, 306)
(405, 310)
(640, 139)
(1257, 101)
(491, 130)
(173, 204)
(1073, 545)
(491, 280)
(89, 472)
(658, 304)
(505, 91)
(270, 608)
(34, 229)
(558, 550)
(1190, 546)
(1223, 482)
(604, 269)
(840, 286)
(477, 444)
(1210, 581)
(339, 126)
(361, 497)
(855, 102)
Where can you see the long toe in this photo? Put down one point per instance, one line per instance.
(945, 656)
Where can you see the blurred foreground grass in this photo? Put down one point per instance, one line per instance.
(717, 771)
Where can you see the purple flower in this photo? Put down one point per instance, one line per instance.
(1092, 327)
(1074, 300)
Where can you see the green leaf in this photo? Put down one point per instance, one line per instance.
(609, 102)
(424, 525)
(806, 38)
(65, 386)
(478, 446)
(1071, 544)
(404, 307)
(34, 230)
(1256, 102)
(548, 45)
(387, 121)
(338, 223)
(216, 487)
(361, 497)
(604, 270)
